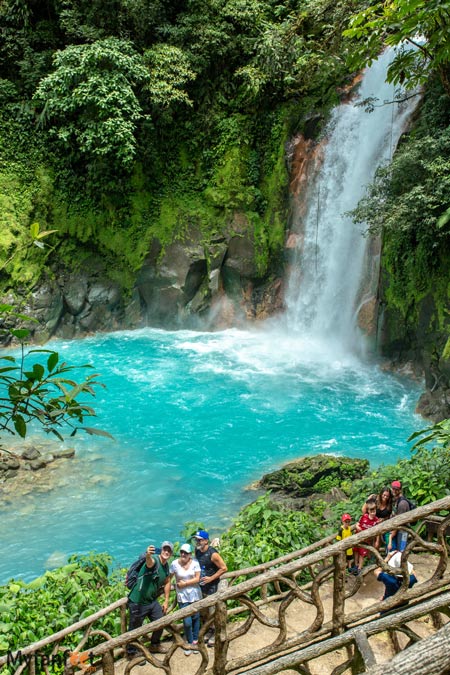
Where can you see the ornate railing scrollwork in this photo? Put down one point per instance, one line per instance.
(296, 620)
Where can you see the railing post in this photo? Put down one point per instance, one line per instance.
(108, 663)
(221, 643)
(123, 618)
(340, 566)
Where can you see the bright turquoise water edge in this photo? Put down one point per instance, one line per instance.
(197, 417)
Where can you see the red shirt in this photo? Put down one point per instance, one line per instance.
(365, 522)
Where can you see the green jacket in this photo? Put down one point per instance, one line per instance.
(149, 583)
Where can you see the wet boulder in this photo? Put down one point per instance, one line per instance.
(316, 474)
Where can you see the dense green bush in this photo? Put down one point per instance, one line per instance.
(31, 611)
(261, 533)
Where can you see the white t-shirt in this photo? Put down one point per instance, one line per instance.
(189, 593)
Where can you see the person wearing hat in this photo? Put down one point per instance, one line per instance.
(398, 538)
(392, 580)
(153, 578)
(187, 576)
(345, 531)
(212, 567)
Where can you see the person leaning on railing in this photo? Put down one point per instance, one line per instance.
(392, 580)
(212, 567)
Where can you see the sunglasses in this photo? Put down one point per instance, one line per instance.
(184, 553)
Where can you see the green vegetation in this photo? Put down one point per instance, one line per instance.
(35, 391)
(41, 393)
(418, 28)
(124, 122)
(31, 611)
(261, 532)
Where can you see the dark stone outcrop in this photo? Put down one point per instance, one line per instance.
(191, 282)
(325, 475)
(422, 343)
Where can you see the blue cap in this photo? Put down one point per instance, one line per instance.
(201, 534)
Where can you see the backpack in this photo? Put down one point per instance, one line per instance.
(133, 572)
(412, 505)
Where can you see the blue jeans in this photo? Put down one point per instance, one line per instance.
(399, 541)
(191, 624)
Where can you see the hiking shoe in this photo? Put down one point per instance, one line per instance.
(187, 652)
(211, 641)
(158, 649)
(194, 646)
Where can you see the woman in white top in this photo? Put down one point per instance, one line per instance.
(187, 575)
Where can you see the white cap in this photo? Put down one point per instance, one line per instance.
(186, 548)
(396, 561)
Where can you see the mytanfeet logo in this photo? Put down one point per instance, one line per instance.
(40, 662)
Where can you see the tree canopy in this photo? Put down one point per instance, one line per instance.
(418, 29)
(90, 100)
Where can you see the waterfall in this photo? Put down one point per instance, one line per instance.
(324, 286)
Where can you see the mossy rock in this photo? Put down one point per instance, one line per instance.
(316, 474)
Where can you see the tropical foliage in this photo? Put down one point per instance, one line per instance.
(420, 31)
(31, 611)
(151, 116)
(262, 532)
(41, 392)
(90, 100)
(36, 389)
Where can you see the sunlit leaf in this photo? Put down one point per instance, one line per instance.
(20, 425)
(34, 230)
(20, 333)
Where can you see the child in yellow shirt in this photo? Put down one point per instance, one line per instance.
(345, 531)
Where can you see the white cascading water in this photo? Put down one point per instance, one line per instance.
(328, 264)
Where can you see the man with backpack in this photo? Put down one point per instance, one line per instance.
(152, 578)
(398, 538)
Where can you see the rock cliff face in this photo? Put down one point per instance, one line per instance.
(422, 346)
(190, 283)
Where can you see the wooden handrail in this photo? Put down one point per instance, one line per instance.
(280, 574)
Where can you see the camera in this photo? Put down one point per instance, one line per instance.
(158, 550)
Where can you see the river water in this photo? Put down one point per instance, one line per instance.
(196, 418)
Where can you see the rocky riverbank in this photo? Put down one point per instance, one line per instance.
(34, 467)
